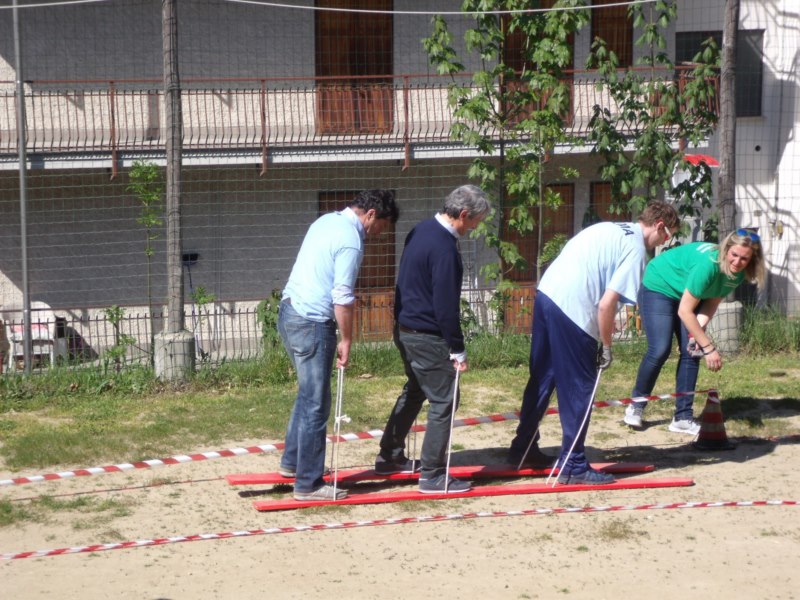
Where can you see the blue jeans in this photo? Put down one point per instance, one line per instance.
(661, 322)
(311, 346)
(563, 359)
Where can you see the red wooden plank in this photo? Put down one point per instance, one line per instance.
(466, 472)
(479, 491)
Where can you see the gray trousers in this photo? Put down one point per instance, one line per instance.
(431, 375)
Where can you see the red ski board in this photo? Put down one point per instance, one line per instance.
(476, 492)
(465, 472)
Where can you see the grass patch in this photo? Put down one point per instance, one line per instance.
(768, 331)
(616, 530)
(61, 418)
(101, 511)
(12, 513)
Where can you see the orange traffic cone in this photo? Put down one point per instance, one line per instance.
(712, 434)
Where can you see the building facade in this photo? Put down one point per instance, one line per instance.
(289, 111)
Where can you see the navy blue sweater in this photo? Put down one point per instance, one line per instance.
(428, 292)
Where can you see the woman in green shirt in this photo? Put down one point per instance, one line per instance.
(680, 292)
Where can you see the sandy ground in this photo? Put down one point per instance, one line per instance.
(739, 552)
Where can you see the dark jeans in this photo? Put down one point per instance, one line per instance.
(431, 375)
(311, 346)
(661, 322)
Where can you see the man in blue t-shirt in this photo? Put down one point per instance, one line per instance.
(427, 333)
(319, 296)
(576, 303)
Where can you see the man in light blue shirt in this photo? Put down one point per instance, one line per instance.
(318, 297)
(576, 302)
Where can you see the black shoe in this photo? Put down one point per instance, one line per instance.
(437, 485)
(392, 467)
(536, 459)
(590, 477)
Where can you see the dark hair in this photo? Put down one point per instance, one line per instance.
(660, 211)
(381, 200)
(467, 197)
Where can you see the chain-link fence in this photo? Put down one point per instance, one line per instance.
(287, 112)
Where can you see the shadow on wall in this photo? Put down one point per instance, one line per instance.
(78, 349)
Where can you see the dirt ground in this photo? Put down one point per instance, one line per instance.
(722, 552)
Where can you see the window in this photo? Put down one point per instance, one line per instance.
(555, 222)
(613, 25)
(351, 47)
(749, 63)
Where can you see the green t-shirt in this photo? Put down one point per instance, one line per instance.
(692, 267)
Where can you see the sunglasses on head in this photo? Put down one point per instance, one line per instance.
(754, 237)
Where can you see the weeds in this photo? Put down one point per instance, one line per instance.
(102, 511)
(767, 331)
(616, 530)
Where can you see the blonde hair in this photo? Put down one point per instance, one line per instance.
(754, 271)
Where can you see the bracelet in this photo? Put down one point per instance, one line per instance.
(711, 344)
(713, 349)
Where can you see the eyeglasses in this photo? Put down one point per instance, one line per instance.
(754, 237)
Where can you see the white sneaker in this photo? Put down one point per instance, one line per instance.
(633, 416)
(687, 426)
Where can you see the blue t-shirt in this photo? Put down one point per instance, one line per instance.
(601, 257)
(327, 266)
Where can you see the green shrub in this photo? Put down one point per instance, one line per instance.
(267, 312)
(767, 330)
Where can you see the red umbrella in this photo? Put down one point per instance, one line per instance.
(696, 159)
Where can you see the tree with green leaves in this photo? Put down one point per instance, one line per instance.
(656, 111)
(147, 184)
(513, 110)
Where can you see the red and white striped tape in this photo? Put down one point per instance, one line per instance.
(390, 521)
(348, 437)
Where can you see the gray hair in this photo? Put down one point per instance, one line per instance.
(467, 197)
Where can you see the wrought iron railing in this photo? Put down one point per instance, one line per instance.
(88, 339)
(257, 114)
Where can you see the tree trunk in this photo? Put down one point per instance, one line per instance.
(174, 128)
(727, 135)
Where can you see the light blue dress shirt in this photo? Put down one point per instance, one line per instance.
(327, 266)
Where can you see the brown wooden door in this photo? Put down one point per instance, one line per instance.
(602, 205)
(558, 221)
(375, 284)
(357, 50)
(613, 25)
(514, 56)
(518, 305)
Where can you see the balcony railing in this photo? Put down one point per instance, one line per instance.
(255, 114)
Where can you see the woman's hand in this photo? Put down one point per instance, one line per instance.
(713, 360)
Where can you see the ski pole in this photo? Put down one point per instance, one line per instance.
(580, 429)
(337, 427)
(528, 449)
(413, 456)
(450, 437)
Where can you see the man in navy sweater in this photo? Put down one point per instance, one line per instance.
(428, 335)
